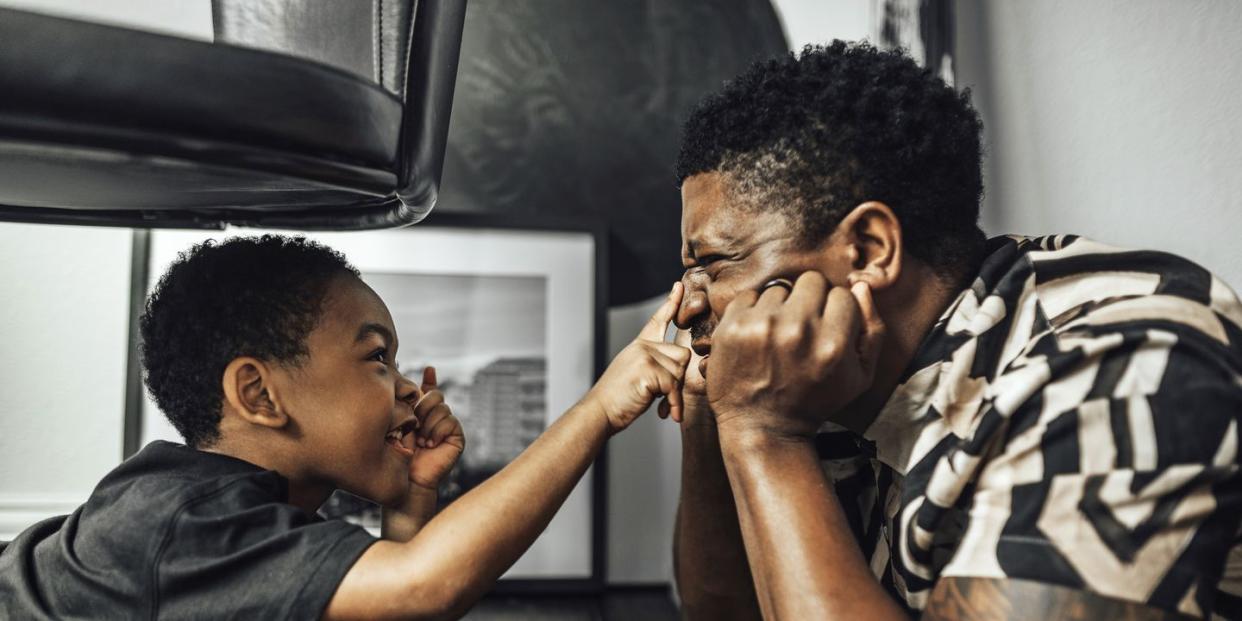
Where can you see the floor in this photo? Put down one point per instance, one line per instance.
(615, 604)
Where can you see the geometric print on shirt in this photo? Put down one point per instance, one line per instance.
(1072, 419)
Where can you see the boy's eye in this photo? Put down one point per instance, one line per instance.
(380, 355)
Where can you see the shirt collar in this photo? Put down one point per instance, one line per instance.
(942, 388)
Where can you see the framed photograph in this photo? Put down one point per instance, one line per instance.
(509, 313)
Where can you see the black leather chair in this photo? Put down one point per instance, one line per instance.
(339, 123)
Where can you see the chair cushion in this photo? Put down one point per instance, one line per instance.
(246, 120)
(372, 44)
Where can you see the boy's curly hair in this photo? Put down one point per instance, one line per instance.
(250, 296)
(816, 134)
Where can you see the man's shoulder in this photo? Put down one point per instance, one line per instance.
(1070, 285)
(1073, 275)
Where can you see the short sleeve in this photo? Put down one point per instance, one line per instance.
(238, 555)
(1120, 475)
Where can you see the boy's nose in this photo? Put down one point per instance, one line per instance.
(408, 390)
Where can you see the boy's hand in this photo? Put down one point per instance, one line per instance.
(647, 368)
(693, 389)
(439, 439)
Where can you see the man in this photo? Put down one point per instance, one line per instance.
(893, 415)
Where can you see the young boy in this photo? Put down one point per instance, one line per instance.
(276, 363)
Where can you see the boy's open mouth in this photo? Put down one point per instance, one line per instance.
(401, 437)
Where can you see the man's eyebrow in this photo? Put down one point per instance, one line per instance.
(719, 240)
(370, 328)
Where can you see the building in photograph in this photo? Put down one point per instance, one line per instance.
(508, 406)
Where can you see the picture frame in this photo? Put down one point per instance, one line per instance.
(448, 282)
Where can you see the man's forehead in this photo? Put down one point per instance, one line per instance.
(712, 219)
(706, 216)
(712, 234)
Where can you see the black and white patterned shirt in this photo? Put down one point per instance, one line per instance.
(1071, 419)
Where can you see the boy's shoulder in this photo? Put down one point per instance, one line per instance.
(164, 479)
(165, 484)
(166, 522)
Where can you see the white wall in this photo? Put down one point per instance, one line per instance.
(63, 324)
(184, 18)
(1115, 119)
(821, 21)
(62, 366)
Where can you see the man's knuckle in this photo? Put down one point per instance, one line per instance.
(788, 333)
(754, 331)
(827, 352)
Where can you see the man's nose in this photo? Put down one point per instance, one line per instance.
(693, 303)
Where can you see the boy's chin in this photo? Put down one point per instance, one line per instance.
(394, 497)
(391, 496)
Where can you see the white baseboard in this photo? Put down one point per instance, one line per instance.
(19, 511)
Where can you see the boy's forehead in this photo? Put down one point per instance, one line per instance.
(350, 305)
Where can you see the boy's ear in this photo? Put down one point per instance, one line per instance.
(870, 236)
(247, 388)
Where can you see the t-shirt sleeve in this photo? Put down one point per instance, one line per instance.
(1120, 475)
(231, 555)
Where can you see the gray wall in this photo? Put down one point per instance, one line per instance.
(1115, 119)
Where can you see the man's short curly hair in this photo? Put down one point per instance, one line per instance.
(249, 296)
(819, 133)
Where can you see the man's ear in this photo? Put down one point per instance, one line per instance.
(870, 237)
(248, 389)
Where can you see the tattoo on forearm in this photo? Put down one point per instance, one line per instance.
(989, 598)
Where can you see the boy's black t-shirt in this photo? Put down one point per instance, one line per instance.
(174, 532)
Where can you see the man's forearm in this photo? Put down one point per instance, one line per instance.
(713, 578)
(802, 554)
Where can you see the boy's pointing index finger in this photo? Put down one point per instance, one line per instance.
(657, 326)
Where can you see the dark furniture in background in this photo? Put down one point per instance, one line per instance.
(573, 109)
(111, 126)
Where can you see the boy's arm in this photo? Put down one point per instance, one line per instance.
(401, 524)
(464, 549)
